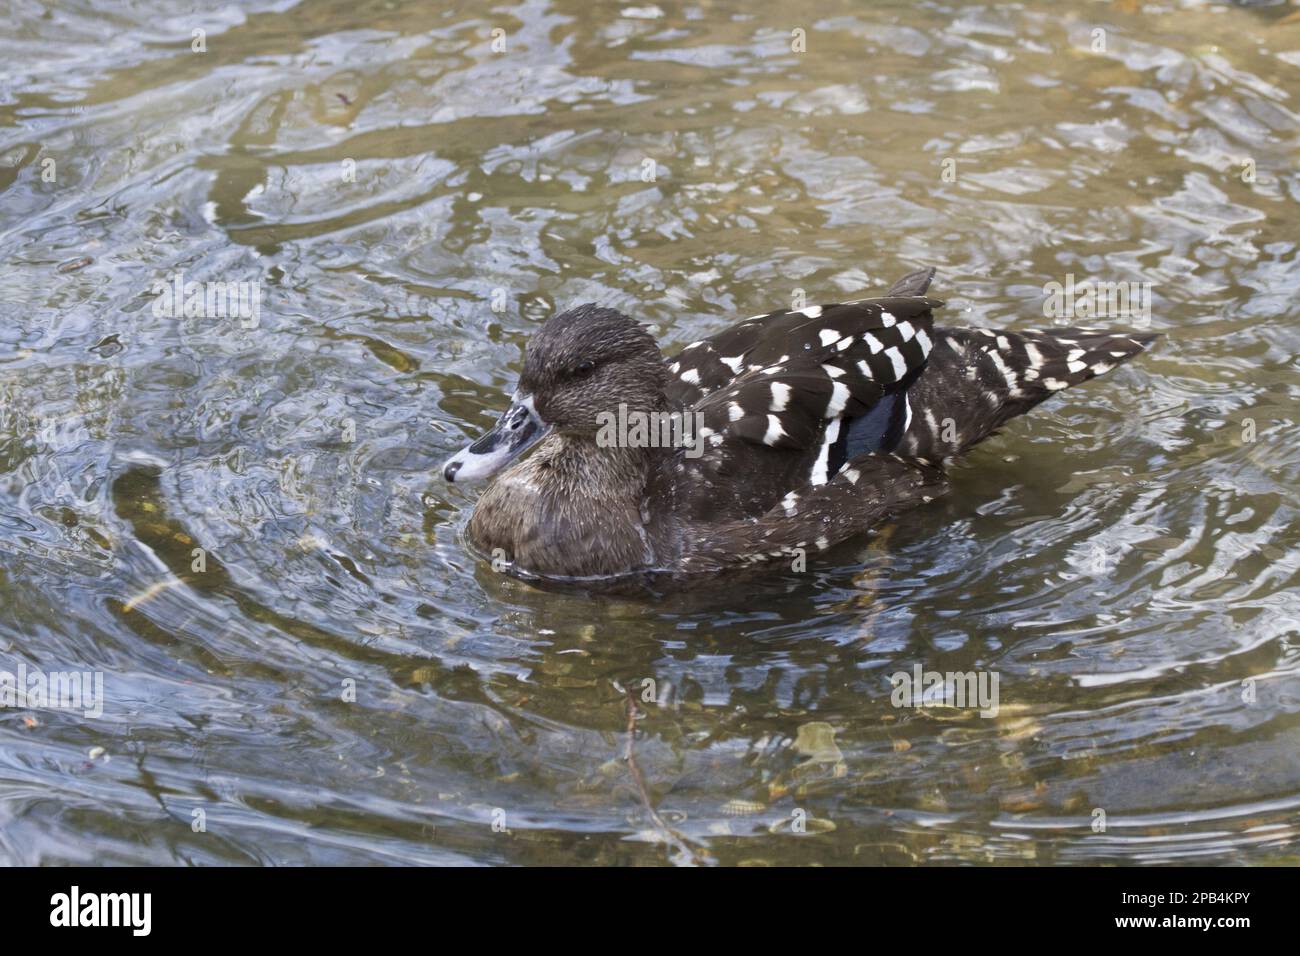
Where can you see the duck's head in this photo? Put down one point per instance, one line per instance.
(580, 364)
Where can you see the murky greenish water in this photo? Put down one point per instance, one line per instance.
(1124, 559)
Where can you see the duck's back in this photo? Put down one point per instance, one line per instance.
(793, 399)
(773, 392)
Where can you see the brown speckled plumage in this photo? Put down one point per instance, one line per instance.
(818, 424)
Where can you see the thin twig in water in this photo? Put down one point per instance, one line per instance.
(675, 839)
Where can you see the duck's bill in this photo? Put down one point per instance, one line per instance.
(516, 431)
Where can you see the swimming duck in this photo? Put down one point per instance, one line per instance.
(784, 435)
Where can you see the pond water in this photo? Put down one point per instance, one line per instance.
(239, 526)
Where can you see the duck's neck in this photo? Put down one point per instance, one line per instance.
(572, 508)
(580, 467)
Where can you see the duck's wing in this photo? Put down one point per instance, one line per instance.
(704, 367)
(795, 412)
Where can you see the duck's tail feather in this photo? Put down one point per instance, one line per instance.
(978, 379)
(914, 283)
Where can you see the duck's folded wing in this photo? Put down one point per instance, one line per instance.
(867, 491)
(820, 370)
(786, 422)
(895, 327)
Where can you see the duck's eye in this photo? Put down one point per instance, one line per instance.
(584, 368)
